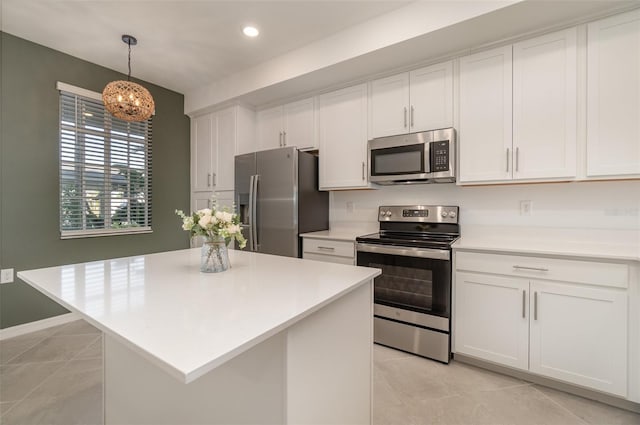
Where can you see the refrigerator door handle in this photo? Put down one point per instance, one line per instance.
(254, 210)
(250, 218)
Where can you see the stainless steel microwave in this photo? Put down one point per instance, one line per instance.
(425, 157)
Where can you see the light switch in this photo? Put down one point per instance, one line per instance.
(6, 276)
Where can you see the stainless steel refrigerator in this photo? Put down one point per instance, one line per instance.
(277, 198)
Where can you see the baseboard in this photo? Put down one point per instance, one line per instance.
(551, 383)
(26, 328)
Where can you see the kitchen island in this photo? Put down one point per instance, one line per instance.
(272, 340)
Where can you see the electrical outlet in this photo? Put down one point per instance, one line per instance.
(351, 207)
(6, 276)
(526, 207)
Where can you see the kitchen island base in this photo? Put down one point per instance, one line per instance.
(319, 370)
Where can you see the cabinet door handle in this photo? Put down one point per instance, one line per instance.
(507, 170)
(363, 170)
(537, 269)
(214, 179)
(280, 139)
(517, 158)
(208, 179)
(535, 306)
(284, 138)
(412, 114)
(326, 248)
(405, 117)
(524, 300)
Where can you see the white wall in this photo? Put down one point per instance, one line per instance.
(579, 205)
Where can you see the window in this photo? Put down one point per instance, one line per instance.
(105, 168)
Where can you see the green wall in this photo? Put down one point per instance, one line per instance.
(29, 231)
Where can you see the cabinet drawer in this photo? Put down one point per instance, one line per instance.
(593, 273)
(328, 258)
(329, 247)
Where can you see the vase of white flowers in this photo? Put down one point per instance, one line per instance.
(218, 227)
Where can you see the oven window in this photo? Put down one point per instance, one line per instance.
(410, 283)
(399, 160)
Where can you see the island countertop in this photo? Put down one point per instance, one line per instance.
(188, 322)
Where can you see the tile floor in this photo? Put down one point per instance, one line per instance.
(54, 377)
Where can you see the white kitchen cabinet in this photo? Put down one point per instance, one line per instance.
(270, 128)
(293, 124)
(518, 111)
(414, 101)
(545, 106)
(342, 122)
(500, 334)
(215, 140)
(579, 335)
(203, 152)
(328, 250)
(246, 138)
(485, 118)
(226, 149)
(389, 109)
(431, 92)
(513, 311)
(300, 128)
(613, 96)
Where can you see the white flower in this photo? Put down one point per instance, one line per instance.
(187, 223)
(233, 229)
(205, 220)
(204, 211)
(224, 216)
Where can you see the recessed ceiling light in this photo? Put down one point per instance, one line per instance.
(250, 31)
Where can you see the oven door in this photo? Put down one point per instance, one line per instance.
(414, 281)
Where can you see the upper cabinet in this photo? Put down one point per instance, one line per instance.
(293, 124)
(613, 96)
(204, 141)
(518, 107)
(342, 122)
(410, 102)
(545, 106)
(215, 139)
(484, 133)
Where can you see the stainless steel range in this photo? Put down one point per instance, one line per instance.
(412, 296)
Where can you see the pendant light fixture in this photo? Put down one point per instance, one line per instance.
(125, 99)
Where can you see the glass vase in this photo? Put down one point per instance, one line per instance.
(214, 257)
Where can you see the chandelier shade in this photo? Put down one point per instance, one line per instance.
(127, 100)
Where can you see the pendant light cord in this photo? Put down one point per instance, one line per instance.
(129, 61)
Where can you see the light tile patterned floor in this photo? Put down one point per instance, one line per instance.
(54, 377)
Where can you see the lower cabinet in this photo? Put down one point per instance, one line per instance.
(567, 331)
(330, 251)
(579, 334)
(492, 320)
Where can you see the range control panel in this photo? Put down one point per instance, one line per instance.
(419, 213)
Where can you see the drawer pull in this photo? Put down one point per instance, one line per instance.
(537, 269)
(535, 306)
(524, 301)
(326, 248)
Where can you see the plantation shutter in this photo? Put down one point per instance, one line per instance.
(105, 168)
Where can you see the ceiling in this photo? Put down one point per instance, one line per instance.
(182, 44)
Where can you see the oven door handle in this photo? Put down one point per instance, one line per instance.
(436, 254)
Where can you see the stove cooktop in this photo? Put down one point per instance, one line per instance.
(420, 240)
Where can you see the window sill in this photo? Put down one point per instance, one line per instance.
(76, 234)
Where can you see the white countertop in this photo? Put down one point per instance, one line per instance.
(342, 233)
(619, 245)
(188, 322)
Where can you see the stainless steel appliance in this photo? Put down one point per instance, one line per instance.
(277, 198)
(412, 296)
(426, 157)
